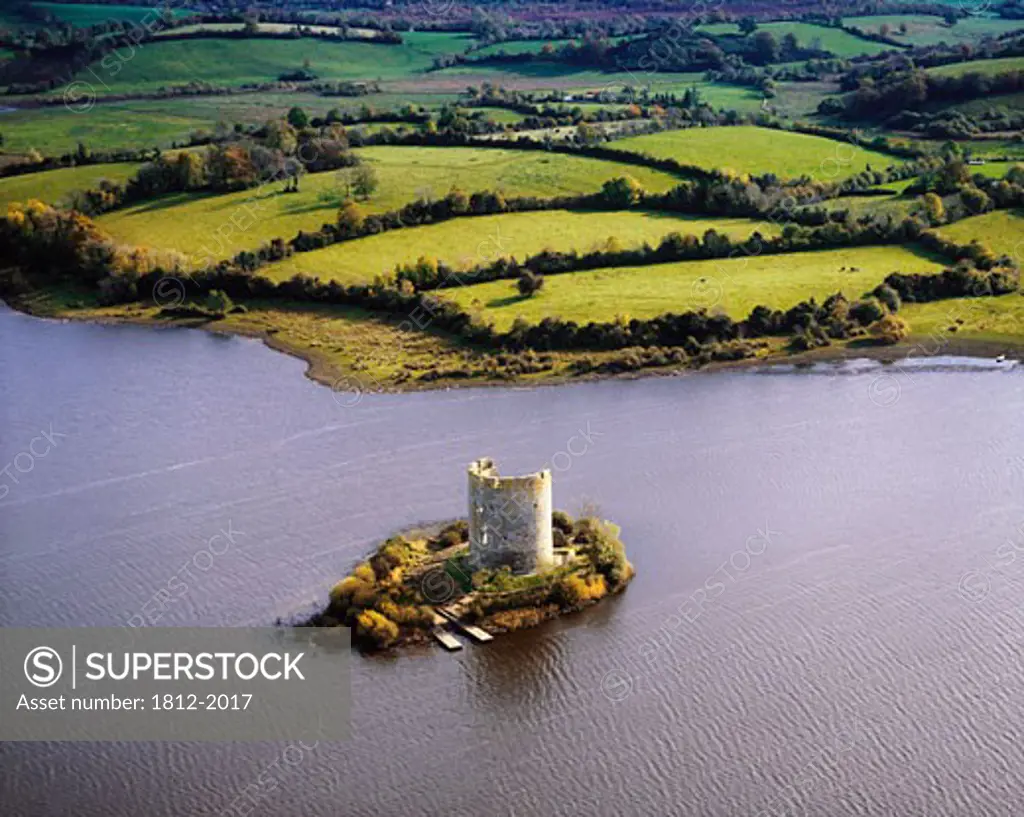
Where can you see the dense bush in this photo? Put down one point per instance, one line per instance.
(576, 590)
(961, 281)
(374, 630)
(889, 329)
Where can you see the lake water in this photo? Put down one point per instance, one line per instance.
(825, 618)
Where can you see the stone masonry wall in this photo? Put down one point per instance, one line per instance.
(509, 519)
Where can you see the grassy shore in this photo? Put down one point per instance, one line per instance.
(355, 352)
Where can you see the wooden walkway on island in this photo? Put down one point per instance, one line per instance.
(448, 641)
(478, 635)
(443, 619)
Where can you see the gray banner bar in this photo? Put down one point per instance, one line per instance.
(174, 683)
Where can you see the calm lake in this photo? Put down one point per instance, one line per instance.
(826, 617)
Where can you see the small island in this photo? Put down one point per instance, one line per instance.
(512, 564)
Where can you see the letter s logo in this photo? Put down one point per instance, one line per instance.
(43, 667)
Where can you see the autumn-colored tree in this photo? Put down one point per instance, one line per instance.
(934, 208)
(281, 135)
(889, 329)
(351, 217)
(375, 630)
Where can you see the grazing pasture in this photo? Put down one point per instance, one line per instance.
(232, 62)
(808, 35)
(749, 149)
(734, 285)
(148, 123)
(988, 320)
(86, 14)
(994, 170)
(188, 222)
(1002, 231)
(512, 47)
(1007, 103)
(467, 242)
(53, 186)
(132, 125)
(985, 67)
(927, 29)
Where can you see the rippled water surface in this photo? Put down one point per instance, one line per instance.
(825, 618)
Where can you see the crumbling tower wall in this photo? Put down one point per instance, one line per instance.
(509, 519)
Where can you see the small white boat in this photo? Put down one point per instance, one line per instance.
(1001, 359)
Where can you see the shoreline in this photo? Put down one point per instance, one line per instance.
(327, 374)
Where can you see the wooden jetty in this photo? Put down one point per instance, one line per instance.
(474, 632)
(448, 641)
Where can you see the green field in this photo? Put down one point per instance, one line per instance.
(188, 222)
(837, 41)
(528, 46)
(371, 128)
(794, 98)
(882, 206)
(52, 186)
(736, 285)
(986, 67)
(808, 35)
(230, 62)
(994, 170)
(503, 117)
(993, 149)
(1001, 231)
(158, 123)
(467, 242)
(749, 149)
(83, 15)
(993, 320)
(132, 125)
(996, 102)
(925, 29)
(518, 47)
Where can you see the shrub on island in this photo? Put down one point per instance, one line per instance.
(389, 598)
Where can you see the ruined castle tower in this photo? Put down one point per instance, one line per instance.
(509, 519)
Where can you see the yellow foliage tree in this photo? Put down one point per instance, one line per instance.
(375, 630)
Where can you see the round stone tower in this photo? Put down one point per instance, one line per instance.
(509, 519)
